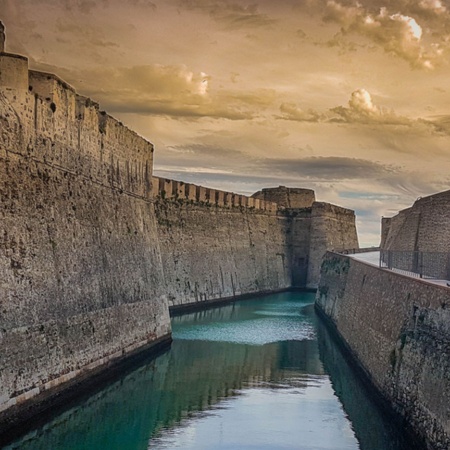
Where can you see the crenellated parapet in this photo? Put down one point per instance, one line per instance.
(168, 189)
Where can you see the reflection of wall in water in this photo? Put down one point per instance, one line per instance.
(398, 329)
(194, 376)
(295, 354)
(224, 313)
(128, 406)
(372, 430)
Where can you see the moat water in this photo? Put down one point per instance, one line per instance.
(257, 374)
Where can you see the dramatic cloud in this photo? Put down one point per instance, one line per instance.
(396, 33)
(290, 111)
(331, 168)
(230, 14)
(361, 109)
(166, 90)
(244, 95)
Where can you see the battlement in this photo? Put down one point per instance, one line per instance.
(13, 75)
(164, 188)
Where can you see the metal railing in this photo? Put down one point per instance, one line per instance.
(434, 265)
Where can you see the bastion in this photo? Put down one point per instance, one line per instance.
(397, 327)
(95, 250)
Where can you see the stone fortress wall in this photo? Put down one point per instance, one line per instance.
(282, 245)
(80, 264)
(422, 227)
(397, 329)
(94, 250)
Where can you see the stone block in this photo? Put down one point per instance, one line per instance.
(220, 198)
(166, 188)
(155, 187)
(201, 194)
(211, 196)
(191, 192)
(180, 189)
(228, 199)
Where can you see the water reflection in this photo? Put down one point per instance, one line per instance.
(246, 375)
(373, 430)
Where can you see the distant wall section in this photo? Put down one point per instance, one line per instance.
(332, 228)
(211, 251)
(287, 198)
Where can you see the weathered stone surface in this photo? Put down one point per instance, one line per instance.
(283, 248)
(93, 249)
(287, 197)
(209, 252)
(423, 227)
(79, 257)
(332, 228)
(399, 330)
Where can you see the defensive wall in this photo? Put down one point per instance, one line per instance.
(248, 244)
(397, 328)
(81, 277)
(93, 250)
(422, 227)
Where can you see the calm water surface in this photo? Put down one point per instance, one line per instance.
(257, 374)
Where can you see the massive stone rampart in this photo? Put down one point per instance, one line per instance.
(80, 266)
(398, 329)
(423, 227)
(93, 250)
(211, 252)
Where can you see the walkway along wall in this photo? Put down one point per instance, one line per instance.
(398, 330)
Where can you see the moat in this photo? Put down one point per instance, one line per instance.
(256, 374)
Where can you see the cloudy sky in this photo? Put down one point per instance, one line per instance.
(351, 99)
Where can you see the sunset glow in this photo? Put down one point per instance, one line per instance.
(349, 98)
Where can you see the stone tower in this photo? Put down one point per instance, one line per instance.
(2, 37)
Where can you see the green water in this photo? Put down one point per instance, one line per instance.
(257, 374)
